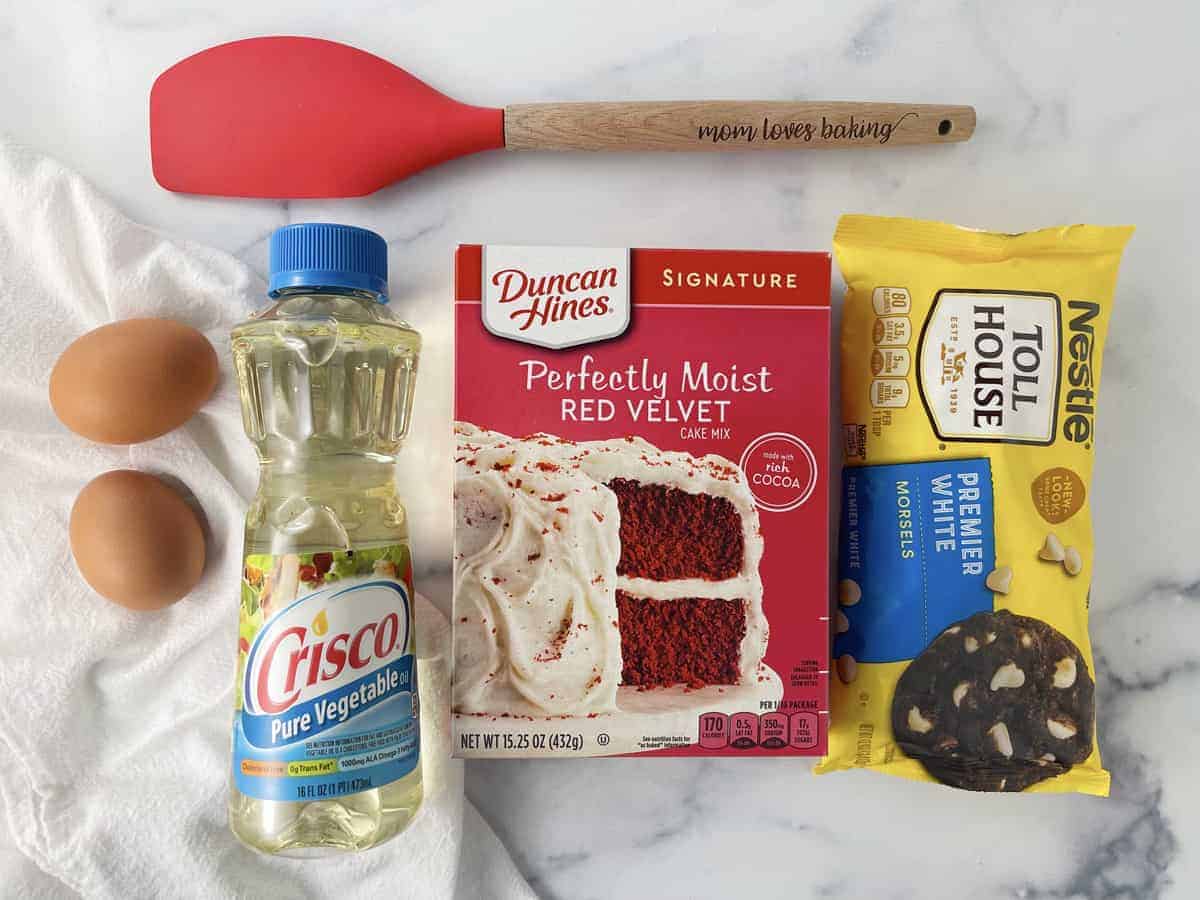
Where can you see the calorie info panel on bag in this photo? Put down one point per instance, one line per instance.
(641, 502)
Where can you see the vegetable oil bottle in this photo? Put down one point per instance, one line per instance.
(326, 742)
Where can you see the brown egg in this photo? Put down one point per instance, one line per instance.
(135, 540)
(133, 380)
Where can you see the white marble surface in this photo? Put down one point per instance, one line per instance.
(1087, 113)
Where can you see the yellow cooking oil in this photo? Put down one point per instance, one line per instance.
(326, 742)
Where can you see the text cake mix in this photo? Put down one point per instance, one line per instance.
(641, 453)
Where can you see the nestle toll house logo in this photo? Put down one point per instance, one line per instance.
(555, 297)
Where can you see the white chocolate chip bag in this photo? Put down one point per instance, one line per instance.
(970, 370)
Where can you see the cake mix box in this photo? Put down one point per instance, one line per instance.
(641, 502)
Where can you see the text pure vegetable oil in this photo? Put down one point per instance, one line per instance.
(326, 736)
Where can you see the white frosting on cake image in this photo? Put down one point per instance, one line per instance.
(537, 547)
(535, 573)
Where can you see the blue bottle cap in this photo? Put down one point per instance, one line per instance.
(323, 255)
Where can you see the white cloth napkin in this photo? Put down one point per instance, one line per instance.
(115, 726)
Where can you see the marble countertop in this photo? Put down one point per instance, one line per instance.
(1084, 115)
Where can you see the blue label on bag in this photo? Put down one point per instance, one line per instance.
(919, 541)
(327, 700)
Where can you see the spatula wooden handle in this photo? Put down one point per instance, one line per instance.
(731, 125)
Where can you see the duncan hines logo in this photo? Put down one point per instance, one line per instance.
(555, 297)
(989, 367)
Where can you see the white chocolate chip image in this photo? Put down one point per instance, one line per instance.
(1064, 672)
(1072, 561)
(917, 722)
(960, 691)
(970, 644)
(1008, 676)
(849, 593)
(1026, 640)
(847, 668)
(990, 637)
(1000, 579)
(1052, 550)
(841, 623)
(1000, 738)
(1061, 730)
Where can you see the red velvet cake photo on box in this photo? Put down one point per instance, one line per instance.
(640, 502)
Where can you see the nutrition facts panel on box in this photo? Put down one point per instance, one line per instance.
(770, 731)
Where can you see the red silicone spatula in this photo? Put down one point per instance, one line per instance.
(303, 117)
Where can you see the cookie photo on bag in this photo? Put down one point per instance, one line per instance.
(996, 702)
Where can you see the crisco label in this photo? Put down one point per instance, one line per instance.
(326, 695)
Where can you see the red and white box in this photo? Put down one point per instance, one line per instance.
(641, 502)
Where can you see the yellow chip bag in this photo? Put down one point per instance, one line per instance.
(970, 368)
